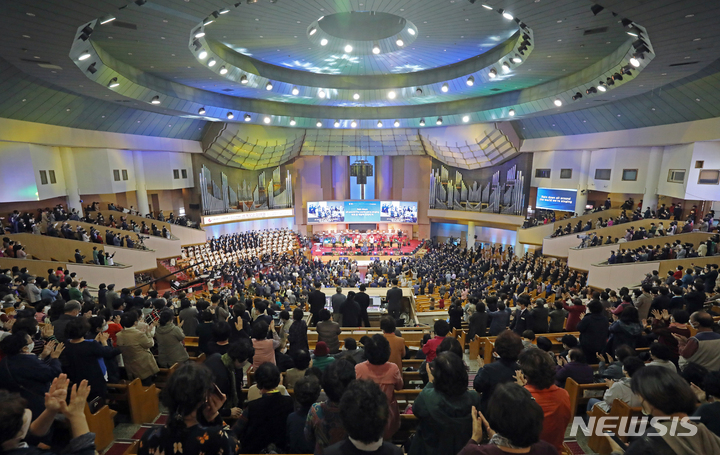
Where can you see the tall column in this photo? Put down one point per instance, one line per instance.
(72, 187)
(383, 177)
(581, 200)
(341, 177)
(140, 188)
(471, 235)
(650, 197)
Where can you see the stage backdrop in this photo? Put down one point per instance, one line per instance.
(362, 212)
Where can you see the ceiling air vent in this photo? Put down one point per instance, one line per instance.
(684, 64)
(122, 24)
(595, 31)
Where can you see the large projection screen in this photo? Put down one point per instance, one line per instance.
(555, 199)
(362, 212)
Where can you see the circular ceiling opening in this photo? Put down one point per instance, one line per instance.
(362, 26)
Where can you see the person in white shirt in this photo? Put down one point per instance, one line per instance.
(661, 355)
(620, 389)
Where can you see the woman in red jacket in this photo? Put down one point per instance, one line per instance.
(574, 311)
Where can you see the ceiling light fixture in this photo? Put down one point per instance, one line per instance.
(517, 59)
(557, 102)
(267, 120)
(422, 122)
(155, 100)
(348, 48)
(493, 73)
(230, 115)
(224, 11)
(400, 42)
(212, 62)
(113, 82)
(379, 124)
(470, 81)
(247, 117)
(292, 122)
(312, 31)
(84, 56)
(356, 96)
(208, 21)
(602, 87)
(336, 124)
(376, 49)
(91, 68)
(107, 19)
(419, 91)
(577, 96)
(295, 91)
(223, 70)
(396, 124)
(487, 7)
(445, 87)
(438, 121)
(392, 94)
(466, 118)
(353, 124)
(318, 124)
(269, 86)
(243, 79)
(199, 34)
(323, 42)
(203, 54)
(506, 66)
(506, 15)
(635, 61)
(411, 31)
(511, 112)
(201, 111)
(322, 94)
(634, 31)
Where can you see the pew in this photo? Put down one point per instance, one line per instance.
(580, 394)
(102, 424)
(142, 401)
(164, 375)
(133, 449)
(411, 376)
(198, 359)
(620, 409)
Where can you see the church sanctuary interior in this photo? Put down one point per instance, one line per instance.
(360, 227)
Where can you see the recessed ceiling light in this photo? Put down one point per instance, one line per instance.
(292, 122)
(379, 124)
(318, 124)
(634, 61)
(268, 86)
(224, 11)
(397, 123)
(223, 70)
(321, 93)
(422, 122)
(30, 14)
(511, 112)
(247, 117)
(466, 118)
(506, 66)
(507, 15)
(356, 96)
(419, 91)
(493, 73)
(312, 31)
(438, 121)
(686, 17)
(487, 7)
(113, 82)
(348, 48)
(199, 34)
(336, 124)
(517, 59)
(267, 120)
(107, 19)
(26, 36)
(445, 87)
(353, 124)
(400, 42)
(203, 55)
(323, 42)
(230, 115)
(212, 62)
(208, 21)
(392, 94)
(84, 56)
(470, 81)
(376, 49)
(411, 31)
(243, 79)
(558, 102)
(155, 100)
(201, 111)
(602, 87)
(295, 91)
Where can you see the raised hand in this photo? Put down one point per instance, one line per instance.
(78, 397)
(48, 349)
(102, 337)
(57, 351)
(665, 314)
(520, 378)
(48, 330)
(56, 396)
(239, 324)
(656, 314)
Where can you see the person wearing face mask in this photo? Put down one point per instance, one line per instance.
(27, 374)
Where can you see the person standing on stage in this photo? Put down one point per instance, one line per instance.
(316, 299)
(393, 296)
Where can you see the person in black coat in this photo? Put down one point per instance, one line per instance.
(540, 317)
(508, 346)
(478, 322)
(227, 370)
(394, 296)
(594, 330)
(350, 311)
(523, 318)
(317, 301)
(364, 301)
(456, 314)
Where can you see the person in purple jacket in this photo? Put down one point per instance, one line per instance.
(574, 366)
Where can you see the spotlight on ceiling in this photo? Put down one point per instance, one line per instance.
(635, 60)
(295, 91)
(634, 31)
(557, 102)
(466, 118)
(596, 9)
(617, 77)
(591, 91)
(517, 59)
(487, 7)
(445, 87)
(224, 11)
(312, 31)
(323, 42)
(511, 112)
(84, 56)
(201, 111)
(438, 121)
(353, 124)
(230, 115)
(91, 69)
(392, 94)
(470, 81)
(107, 19)
(267, 120)
(506, 66)
(422, 122)
(247, 117)
(322, 94)
(493, 73)
(203, 54)
(199, 34)
(155, 100)
(292, 122)
(208, 21)
(411, 31)
(348, 48)
(85, 33)
(640, 46)
(113, 82)
(379, 124)
(577, 96)
(336, 124)
(223, 70)
(396, 124)
(419, 91)
(269, 86)
(356, 96)
(602, 87)
(400, 42)
(376, 49)
(212, 62)
(318, 124)
(506, 15)
(243, 79)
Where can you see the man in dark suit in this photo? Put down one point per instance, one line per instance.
(523, 318)
(364, 301)
(316, 299)
(393, 296)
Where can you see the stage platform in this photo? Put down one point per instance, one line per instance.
(382, 253)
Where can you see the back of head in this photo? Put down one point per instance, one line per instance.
(267, 376)
(508, 345)
(632, 364)
(569, 340)
(307, 390)
(77, 328)
(450, 375)
(128, 319)
(623, 351)
(336, 378)
(185, 391)
(298, 314)
(364, 411)
(577, 355)
(514, 414)
(660, 351)
(450, 344)
(538, 368)
(324, 315)
(12, 412)
(241, 350)
(664, 390)
(301, 361)
(165, 317)
(387, 324)
(377, 350)
(441, 327)
(221, 331)
(72, 305)
(260, 330)
(544, 344)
